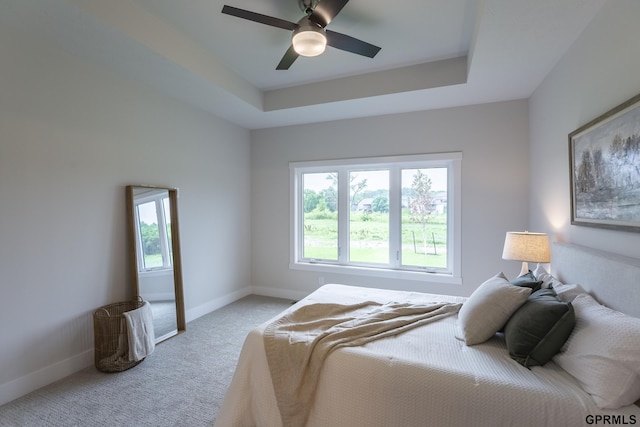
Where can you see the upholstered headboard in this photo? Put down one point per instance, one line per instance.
(614, 280)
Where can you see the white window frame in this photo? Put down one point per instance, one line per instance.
(452, 161)
(167, 263)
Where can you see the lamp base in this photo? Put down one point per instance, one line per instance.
(525, 269)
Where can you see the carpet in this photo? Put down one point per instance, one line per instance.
(182, 383)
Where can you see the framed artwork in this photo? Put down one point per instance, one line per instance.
(604, 160)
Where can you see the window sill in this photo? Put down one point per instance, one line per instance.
(419, 276)
(156, 272)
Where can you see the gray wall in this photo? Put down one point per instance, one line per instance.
(72, 135)
(599, 72)
(493, 139)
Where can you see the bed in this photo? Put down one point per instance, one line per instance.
(429, 375)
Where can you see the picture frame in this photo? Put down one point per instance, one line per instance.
(604, 164)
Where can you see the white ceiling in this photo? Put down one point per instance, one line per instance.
(435, 53)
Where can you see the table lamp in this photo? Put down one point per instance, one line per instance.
(526, 247)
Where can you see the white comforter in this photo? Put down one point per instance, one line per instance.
(421, 377)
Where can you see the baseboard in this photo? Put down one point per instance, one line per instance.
(278, 293)
(220, 302)
(215, 304)
(26, 384)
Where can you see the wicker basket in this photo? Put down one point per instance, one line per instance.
(110, 336)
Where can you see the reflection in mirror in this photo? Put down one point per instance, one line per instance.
(155, 242)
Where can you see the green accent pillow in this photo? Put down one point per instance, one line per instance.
(528, 280)
(537, 331)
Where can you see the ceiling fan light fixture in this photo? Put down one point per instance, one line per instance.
(309, 40)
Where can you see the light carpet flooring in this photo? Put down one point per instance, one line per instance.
(182, 383)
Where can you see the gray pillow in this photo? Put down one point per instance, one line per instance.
(488, 309)
(528, 280)
(537, 330)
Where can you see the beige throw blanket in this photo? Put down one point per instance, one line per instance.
(298, 343)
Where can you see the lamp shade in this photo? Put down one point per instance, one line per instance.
(309, 40)
(526, 247)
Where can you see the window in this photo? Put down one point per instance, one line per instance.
(153, 225)
(389, 216)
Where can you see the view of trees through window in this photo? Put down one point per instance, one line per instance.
(154, 226)
(422, 217)
(369, 217)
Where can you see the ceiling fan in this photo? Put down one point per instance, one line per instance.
(310, 37)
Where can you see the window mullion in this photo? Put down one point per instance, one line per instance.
(454, 215)
(343, 216)
(395, 217)
(139, 249)
(162, 233)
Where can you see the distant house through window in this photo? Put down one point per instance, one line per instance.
(388, 216)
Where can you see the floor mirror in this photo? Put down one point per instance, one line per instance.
(154, 238)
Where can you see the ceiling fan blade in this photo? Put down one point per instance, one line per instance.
(326, 10)
(258, 17)
(289, 57)
(350, 44)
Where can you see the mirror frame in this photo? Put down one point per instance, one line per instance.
(175, 248)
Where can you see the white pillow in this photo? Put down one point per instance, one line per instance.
(565, 292)
(488, 309)
(542, 274)
(602, 353)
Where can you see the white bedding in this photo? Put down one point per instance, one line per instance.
(421, 377)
